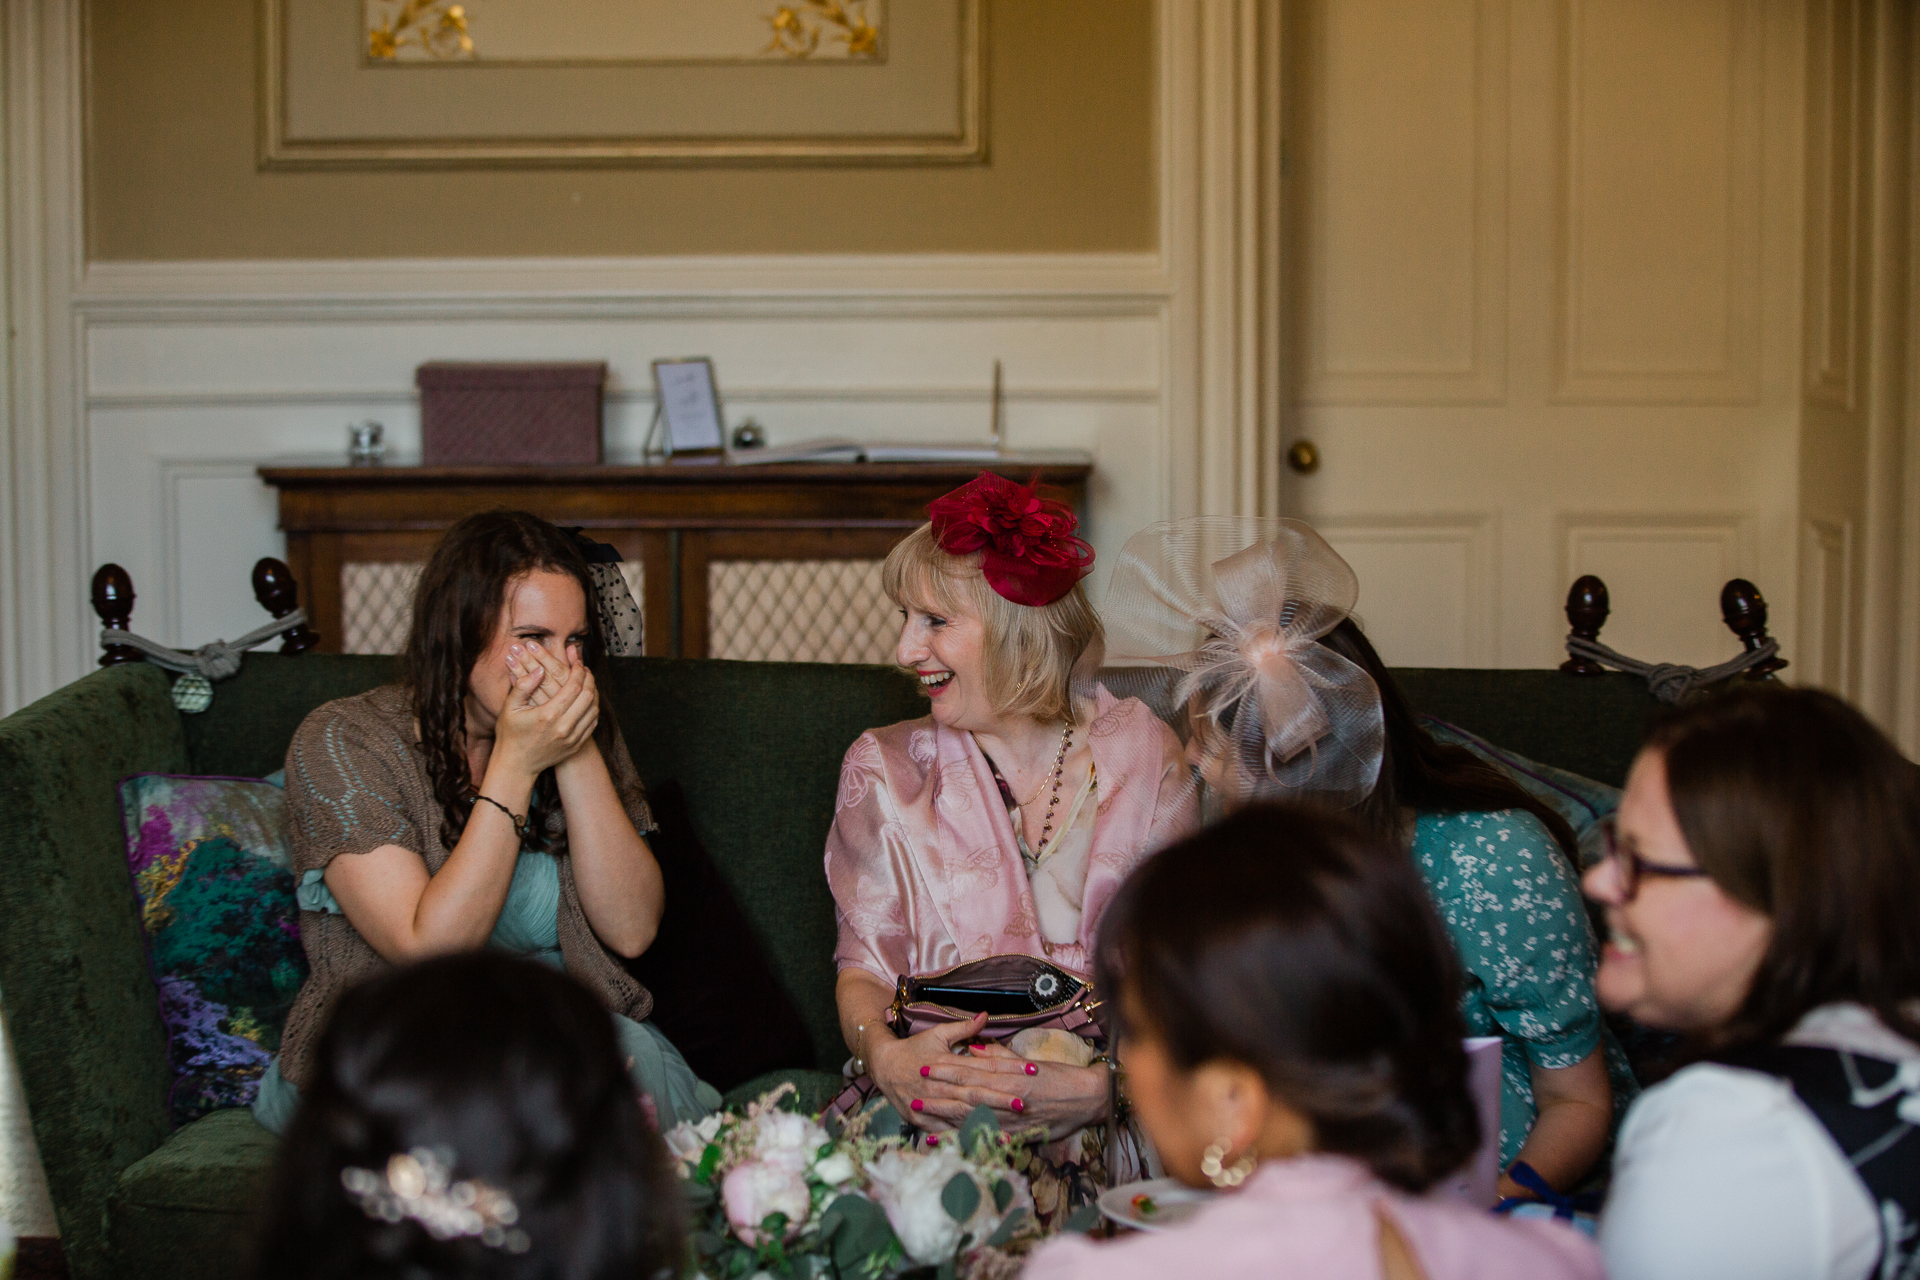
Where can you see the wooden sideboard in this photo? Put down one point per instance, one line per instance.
(723, 555)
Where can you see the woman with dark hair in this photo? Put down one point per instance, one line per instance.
(484, 801)
(1760, 886)
(469, 1116)
(1290, 1034)
(1282, 698)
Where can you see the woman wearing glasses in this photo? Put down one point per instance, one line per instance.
(1760, 891)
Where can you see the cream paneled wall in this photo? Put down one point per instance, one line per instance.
(1546, 310)
(187, 389)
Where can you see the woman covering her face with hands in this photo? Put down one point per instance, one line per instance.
(999, 824)
(487, 800)
(1761, 888)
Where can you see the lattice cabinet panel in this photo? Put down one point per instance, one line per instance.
(799, 611)
(376, 605)
(377, 602)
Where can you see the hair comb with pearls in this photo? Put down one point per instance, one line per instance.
(418, 1186)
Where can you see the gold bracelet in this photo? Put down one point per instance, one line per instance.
(859, 1045)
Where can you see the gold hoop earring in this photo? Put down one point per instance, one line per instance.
(1213, 1164)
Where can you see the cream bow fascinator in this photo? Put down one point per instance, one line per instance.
(1235, 606)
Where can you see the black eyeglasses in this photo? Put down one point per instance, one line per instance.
(1629, 866)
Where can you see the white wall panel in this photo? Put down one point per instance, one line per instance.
(1659, 272)
(1405, 300)
(1426, 585)
(1827, 603)
(189, 388)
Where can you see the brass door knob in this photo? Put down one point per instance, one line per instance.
(1304, 457)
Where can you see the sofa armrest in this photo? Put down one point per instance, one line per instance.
(74, 981)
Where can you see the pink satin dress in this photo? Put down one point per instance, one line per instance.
(922, 859)
(1315, 1218)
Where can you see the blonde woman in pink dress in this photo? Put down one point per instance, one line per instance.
(1292, 1040)
(1000, 823)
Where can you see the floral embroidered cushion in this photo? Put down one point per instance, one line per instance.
(213, 875)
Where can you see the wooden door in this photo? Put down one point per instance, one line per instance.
(1541, 263)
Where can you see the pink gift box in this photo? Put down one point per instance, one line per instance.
(510, 414)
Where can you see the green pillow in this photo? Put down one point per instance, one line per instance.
(214, 879)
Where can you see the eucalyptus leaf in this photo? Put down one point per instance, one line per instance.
(979, 1123)
(708, 1243)
(1083, 1219)
(856, 1229)
(698, 1194)
(960, 1197)
(1008, 1228)
(946, 1271)
(1002, 1195)
(885, 1122)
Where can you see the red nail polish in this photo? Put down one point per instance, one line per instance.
(1033, 1068)
(1019, 1105)
(932, 1141)
(919, 1105)
(925, 1072)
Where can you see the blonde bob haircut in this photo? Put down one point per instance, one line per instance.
(1034, 659)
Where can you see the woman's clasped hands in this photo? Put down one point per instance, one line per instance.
(551, 710)
(935, 1078)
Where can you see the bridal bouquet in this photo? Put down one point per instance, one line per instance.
(772, 1191)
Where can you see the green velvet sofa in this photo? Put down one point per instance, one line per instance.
(756, 746)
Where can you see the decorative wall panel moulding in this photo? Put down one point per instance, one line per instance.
(331, 98)
(545, 288)
(1472, 538)
(1838, 206)
(1403, 294)
(1827, 603)
(1632, 325)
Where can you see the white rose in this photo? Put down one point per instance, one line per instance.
(786, 1139)
(688, 1141)
(907, 1185)
(835, 1170)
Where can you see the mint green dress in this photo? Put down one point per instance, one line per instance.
(529, 925)
(1512, 904)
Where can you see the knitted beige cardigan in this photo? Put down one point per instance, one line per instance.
(356, 780)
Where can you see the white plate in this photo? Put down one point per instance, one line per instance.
(1174, 1202)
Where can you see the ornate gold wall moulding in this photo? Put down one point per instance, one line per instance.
(797, 29)
(437, 28)
(919, 98)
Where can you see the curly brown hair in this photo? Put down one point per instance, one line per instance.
(456, 608)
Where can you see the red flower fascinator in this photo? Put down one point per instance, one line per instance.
(1032, 556)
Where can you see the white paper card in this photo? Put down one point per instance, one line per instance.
(689, 403)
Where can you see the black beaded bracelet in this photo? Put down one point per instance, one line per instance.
(520, 827)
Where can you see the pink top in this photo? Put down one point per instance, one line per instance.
(922, 860)
(1315, 1217)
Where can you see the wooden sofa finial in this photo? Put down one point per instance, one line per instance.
(1587, 610)
(279, 595)
(113, 602)
(1744, 610)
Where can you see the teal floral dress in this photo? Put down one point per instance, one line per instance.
(1512, 903)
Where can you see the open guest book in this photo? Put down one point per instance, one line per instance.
(839, 449)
